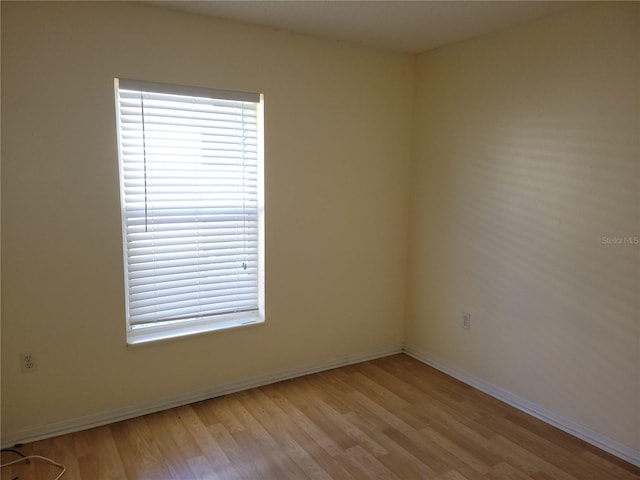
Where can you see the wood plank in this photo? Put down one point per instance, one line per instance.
(98, 455)
(201, 469)
(314, 459)
(198, 431)
(327, 442)
(141, 457)
(526, 461)
(504, 471)
(398, 460)
(175, 444)
(553, 453)
(262, 446)
(368, 464)
(240, 465)
(451, 475)
(274, 425)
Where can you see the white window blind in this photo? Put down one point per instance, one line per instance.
(190, 173)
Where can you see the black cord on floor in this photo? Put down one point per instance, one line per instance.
(13, 451)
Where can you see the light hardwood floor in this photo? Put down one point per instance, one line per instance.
(391, 418)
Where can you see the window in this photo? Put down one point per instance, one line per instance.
(191, 190)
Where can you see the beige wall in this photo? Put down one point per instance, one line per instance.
(526, 155)
(337, 158)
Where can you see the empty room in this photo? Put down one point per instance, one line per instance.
(320, 240)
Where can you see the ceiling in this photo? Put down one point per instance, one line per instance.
(396, 25)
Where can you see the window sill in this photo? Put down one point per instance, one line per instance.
(151, 335)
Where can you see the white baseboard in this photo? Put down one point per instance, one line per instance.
(95, 420)
(603, 442)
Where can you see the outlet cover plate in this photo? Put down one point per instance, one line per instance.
(28, 362)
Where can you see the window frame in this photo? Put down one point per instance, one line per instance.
(165, 330)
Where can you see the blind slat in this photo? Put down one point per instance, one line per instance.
(189, 182)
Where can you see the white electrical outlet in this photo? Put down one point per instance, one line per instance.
(466, 320)
(28, 362)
